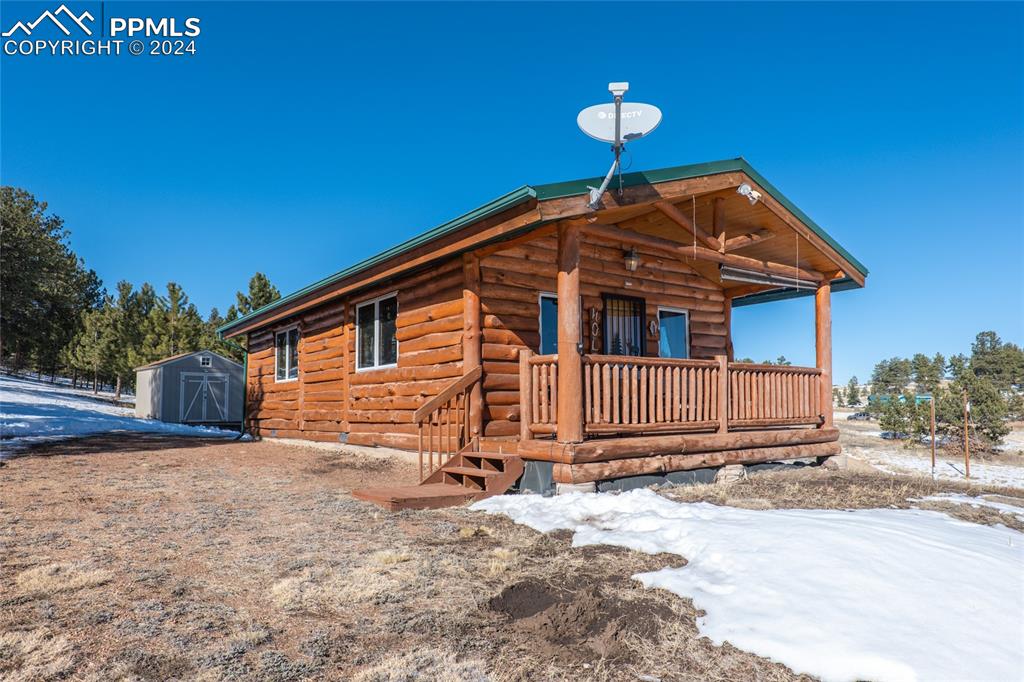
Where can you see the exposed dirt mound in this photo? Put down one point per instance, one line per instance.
(581, 622)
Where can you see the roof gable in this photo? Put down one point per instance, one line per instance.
(563, 190)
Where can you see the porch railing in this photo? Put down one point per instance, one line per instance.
(625, 394)
(443, 423)
(773, 395)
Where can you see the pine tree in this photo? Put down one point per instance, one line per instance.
(261, 293)
(46, 289)
(837, 397)
(890, 377)
(927, 372)
(852, 392)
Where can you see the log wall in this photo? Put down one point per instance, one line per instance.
(374, 407)
(511, 280)
(330, 398)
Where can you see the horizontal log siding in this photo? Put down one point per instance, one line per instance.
(373, 407)
(511, 280)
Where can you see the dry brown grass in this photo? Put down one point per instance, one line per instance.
(428, 664)
(35, 655)
(250, 561)
(818, 488)
(46, 580)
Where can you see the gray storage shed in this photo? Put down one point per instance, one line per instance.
(192, 388)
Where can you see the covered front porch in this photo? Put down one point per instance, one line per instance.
(630, 369)
(608, 416)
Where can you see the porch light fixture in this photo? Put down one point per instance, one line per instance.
(632, 259)
(752, 195)
(740, 275)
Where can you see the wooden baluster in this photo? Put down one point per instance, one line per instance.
(553, 383)
(643, 395)
(712, 411)
(722, 397)
(733, 395)
(544, 404)
(536, 395)
(616, 380)
(634, 388)
(588, 395)
(606, 393)
(666, 396)
(526, 415)
(753, 391)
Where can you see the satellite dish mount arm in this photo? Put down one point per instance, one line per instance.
(617, 90)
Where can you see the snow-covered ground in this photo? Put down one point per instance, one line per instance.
(896, 460)
(954, 498)
(862, 439)
(31, 411)
(876, 594)
(64, 384)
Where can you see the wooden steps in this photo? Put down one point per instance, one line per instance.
(466, 477)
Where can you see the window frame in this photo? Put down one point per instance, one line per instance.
(540, 322)
(277, 354)
(207, 361)
(640, 303)
(375, 302)
(678, 311)
(541, 295)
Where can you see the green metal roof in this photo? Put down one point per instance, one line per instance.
(574, 188)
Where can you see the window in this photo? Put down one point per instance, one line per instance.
(376, 343)
(624, 325)
(287, 355)
(548, 324)
(204, 361)
(673, 333)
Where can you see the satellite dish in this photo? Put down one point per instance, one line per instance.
(636, 120)
(618, 123)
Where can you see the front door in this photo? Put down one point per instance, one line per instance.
(204, 397)
(624, 325)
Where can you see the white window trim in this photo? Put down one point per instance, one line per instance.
(277, 333)
(683, 311)
(206, 361)
(376, 334)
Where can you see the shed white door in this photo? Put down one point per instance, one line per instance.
(204, 397)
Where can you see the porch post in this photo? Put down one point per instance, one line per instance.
(823, 345)
(570, 370)
(472, 338)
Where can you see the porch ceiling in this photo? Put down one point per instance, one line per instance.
(778, 241)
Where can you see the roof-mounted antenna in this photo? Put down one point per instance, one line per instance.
(617, 123)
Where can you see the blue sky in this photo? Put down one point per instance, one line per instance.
(304, 137)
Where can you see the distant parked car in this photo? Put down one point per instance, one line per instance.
(859, 417)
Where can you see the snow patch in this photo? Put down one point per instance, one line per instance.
(879, 594)
(33, 412)
(895, 462)
(956, 498)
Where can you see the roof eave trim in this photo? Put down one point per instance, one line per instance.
(786, 293)
(491, 208)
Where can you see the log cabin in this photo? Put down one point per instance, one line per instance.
(534, 331)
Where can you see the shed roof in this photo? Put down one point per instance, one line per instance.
(560, 190)
(179, 356)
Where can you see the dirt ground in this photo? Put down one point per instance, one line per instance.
(154, 558)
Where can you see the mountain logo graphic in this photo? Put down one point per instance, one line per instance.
(69, 16)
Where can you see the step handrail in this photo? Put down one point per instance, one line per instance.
(460, 385)
(446, 418)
